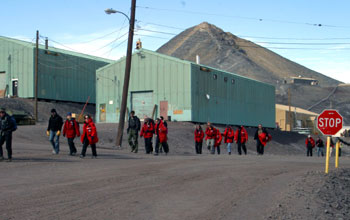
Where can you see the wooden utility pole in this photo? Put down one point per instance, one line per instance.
(36, 77)
(127, 76)
(290, 109)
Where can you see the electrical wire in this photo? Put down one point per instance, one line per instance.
(243, 17)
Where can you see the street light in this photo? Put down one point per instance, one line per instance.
(112, 11)
(127, 69)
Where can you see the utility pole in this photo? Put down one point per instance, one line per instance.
(127, 75)
(36, 77)
(290, 109)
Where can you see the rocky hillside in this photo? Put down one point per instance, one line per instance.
(226, 51)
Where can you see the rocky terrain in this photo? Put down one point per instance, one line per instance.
(225, 51)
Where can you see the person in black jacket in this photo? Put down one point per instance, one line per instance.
(6, 129)
(133, 130)
(54, 131)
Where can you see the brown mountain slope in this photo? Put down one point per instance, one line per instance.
(226, 51)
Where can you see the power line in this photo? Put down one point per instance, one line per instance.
(259, 37)
(243, 17)
(241, 43)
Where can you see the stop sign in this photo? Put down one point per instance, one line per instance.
(329, 122)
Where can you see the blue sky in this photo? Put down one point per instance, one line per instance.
(286, 27)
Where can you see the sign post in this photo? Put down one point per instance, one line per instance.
(329, 122)
(337, 154)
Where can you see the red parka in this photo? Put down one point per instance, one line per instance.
(229, 134)
(71, 129)
(218, 138)
(162, 132)
(210, 133)
(244, 135)
(89, 130)
(198, 135)
(312, 141)
(147, 130)
(264, 138)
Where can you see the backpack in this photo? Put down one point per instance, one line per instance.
(13, 121)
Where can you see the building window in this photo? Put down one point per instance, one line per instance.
(232, 81)
(225, 79)
(215, 76)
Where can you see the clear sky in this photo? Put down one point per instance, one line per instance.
(285, 26)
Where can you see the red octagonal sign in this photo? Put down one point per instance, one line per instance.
(329, 122)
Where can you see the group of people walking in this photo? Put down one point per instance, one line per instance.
(71, 130)
(159, 128)
(150, 128)
(213, 139)
(310, 144)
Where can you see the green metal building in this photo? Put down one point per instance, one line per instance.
(62, 75)
(183, 91)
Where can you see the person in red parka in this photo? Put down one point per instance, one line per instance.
(262, 137)
(70, 131)
(218, 139)
(228, 137)
(147, 132)
(241, 137)
(198, 139)
(89, 136)
(162, 137)
(210, 132)
(310, 144)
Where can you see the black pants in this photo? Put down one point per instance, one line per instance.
(148, 145)
(309, 151)
(198, 146)
(259, 147)
(71, 145)
(85, 145)
(164, 145)
(241, 146)
(8, 139)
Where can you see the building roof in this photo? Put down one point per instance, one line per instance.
(303, 78)
(181, 61)
(295, 109)
(54, 49)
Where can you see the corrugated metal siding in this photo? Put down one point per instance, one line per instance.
(246, 102)
(66, 77)
(20, 66)
(168, 78)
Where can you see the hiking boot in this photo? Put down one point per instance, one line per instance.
(229, 153)
(81, 156)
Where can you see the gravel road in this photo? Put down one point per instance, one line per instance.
(121, 185)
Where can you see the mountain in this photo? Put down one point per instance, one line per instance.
(226, 51)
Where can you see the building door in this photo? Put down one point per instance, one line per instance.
(102, 112)
(15, 87)
(164, 109)
(142, 103)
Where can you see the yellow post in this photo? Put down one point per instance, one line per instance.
(337, 154)
(327, 153)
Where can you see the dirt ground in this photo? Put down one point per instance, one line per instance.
(283, 184)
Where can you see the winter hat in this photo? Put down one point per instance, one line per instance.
(69, 114)
(53, 110)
